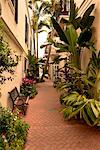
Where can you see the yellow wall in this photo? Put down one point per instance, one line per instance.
(8, 15)
(9, 85)
(15, 35)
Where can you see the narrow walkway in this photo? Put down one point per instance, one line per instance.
(49, 131)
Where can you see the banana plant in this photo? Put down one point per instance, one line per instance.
(70, 41)
(78, 106)
(84, 105)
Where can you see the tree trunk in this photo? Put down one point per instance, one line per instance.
(34, 43)
(47, 63)
(37, 50)
(37, 43)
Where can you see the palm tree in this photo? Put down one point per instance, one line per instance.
(38, 19)
(40, 10)
(53, 10)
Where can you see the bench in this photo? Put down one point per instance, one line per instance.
(18, 101)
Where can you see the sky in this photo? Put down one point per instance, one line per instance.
(78, 2)
(42, 40)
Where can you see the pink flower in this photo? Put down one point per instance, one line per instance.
(28, 81)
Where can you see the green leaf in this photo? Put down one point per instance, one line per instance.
(98, 106)
(66, 85)
(67, 111)
(71, 35)
(85, 117)
(88, 11)
(76, 23)
(87, 20)
(61, 47)
(40, 31)
(90, 113)
(45, 45)
(84, 37)
(72, 10)
(42, 24)
(95, 111)
(78, 103)
(59, 30)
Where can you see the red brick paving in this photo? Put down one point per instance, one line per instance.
(49, 131)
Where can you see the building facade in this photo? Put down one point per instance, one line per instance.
(18, 33)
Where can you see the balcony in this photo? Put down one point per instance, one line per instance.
(65, 7)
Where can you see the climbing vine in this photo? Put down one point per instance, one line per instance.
(7, 61)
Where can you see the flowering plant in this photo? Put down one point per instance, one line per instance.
(13, 130)
(28, 87)
(28, 81)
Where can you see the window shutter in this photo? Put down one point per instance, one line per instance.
(16, 11)
(26, 30)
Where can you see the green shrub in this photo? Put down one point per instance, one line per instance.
(13, 130)
(56, 82)
(78, 106)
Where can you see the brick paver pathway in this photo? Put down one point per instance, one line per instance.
(49, 131)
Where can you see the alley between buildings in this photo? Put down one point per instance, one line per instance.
(49, 131)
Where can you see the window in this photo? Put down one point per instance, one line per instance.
(65, 6)
(16, 11)
(25, 64)
(15, 6)
(30, 44)
(26, 30)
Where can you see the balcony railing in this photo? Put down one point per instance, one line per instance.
(65, 7)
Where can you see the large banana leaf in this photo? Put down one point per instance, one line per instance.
(61, 47)
(84, 37)
(71, 35)
(59, 30)
(76, 22)
(87, 20)
(89, 11)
